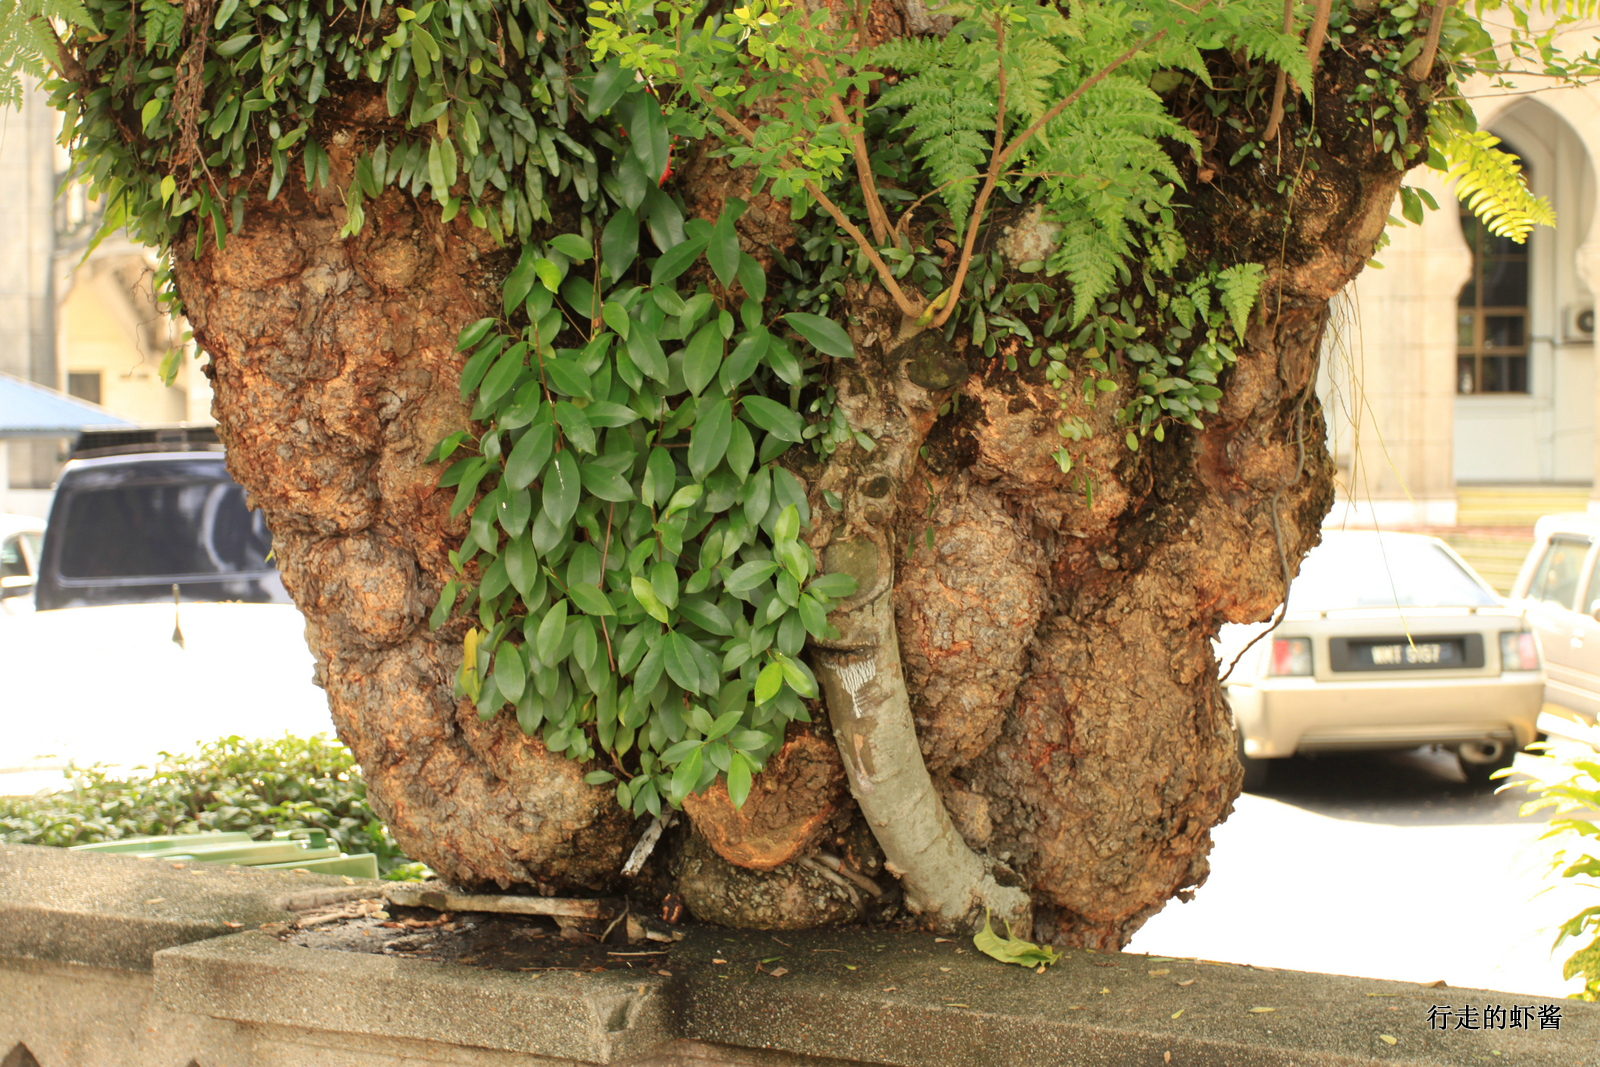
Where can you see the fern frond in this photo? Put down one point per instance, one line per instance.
(1240, 285)
(1489, 181)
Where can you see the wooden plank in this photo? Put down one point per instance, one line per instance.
(440, 899)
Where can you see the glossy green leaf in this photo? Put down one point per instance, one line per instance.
(664, 581)
(645, 351)
(687, 776)
(606, 483)
(572, 246)
(567, 377)
(471, 334)
(774, 418)
(675, 260)
(575, 426)
(551, 630)
(825, 335)
(682, 665)
(510, 672)
(529, 456)
(522, 564)
(619, 242)
(769, 682)
(738, 780)
(606, 414)
(750, 575)
(834, 585)
(562, 485)
(590, 600)
(723, 250)
(514, 290)
(645, 593)
(507, 369)
(708, 442)
(702, 357)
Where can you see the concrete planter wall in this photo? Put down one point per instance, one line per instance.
(114, 962)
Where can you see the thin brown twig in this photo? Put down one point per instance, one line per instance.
(999, 160)
(1318, 32)
(1422, 66)
(1275, 117)
(876, 215)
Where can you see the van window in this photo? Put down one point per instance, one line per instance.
(1555, 581)
(177, 529)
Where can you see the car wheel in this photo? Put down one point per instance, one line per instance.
(1480, 759)
(1256, 771)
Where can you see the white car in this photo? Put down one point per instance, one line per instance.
(1558, 589)
(1389, 641)
(21, 537)
(159, 622)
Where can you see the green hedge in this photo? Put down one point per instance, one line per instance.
(290, 783)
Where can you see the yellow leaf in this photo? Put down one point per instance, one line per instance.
(1177, 1013)
(1159, 971)
(1386, 1039)
(1258, 1011)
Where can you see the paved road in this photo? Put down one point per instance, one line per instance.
(1384, 866)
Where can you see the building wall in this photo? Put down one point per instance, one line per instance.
(1403, 437)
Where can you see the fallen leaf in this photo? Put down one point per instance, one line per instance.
(1383, 994)
(1386, 1039)
(941, 941)
(1104, 990)
(179, 866)
(1440, 984)
(1177, 1013)
(1187, 981)
(1258, 1011)
(665, 974)
(891, 989)
(778, 972)
(719, 961)
(1012, 949)
(944, 968)
(233, 926)
(1159, 971)
(849, 966)
(958, 1005)
(155, 900)
(1166, 1057)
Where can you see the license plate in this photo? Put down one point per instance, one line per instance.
(1419, 654)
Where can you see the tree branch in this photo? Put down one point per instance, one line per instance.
(876, 215)
(1422, 66)
(1318, 32)
(1275, 117)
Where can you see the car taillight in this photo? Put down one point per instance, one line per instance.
(1290, 656)
(1518, 652)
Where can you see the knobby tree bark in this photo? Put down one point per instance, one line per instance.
(1029, 648)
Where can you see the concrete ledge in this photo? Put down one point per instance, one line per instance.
(118, 912)
(909, 1001)
(255, 978)
(113, 960)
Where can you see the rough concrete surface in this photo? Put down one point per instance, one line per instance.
(77, 989)
(117, 912)
(256, 978)
(911, 1001)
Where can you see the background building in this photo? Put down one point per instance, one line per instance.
(86, 327)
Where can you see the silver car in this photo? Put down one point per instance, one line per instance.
(1558, 591)
(1388, 641)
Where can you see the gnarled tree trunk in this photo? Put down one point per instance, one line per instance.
(1048, 633)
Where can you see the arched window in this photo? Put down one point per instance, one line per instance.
(1492, 312)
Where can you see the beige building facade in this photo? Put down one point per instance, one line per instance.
(1468, 362)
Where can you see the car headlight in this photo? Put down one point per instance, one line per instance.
(1518, 652)
(1290, 656)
